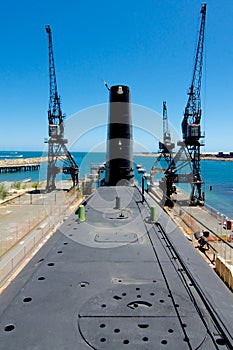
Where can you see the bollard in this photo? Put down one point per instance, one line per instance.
(81, 213)
(153, 214)
(118, 203)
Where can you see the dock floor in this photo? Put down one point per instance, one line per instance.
(192, 219)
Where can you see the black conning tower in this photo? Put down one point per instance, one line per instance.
(119, 159)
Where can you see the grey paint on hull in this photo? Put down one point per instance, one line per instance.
(117, 281)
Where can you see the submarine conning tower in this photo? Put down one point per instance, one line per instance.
(119, 157)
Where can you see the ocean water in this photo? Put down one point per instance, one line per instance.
(217, 175)
(83, 159)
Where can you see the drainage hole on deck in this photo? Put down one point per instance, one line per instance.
(164, 342)
(70, 234)
(123, 294)
(27, 300)
(138, 288)
(134, 304)
(9, 328)
(152, 294)
(103, 305)
(65, 243)
(220, 341)
(50, 264)
(116, 330)
(142, 325)
(83, 284)
(126, 341)
(59, 252)
(41, 278)
(102, 325)
(145, 339)
(161, 301)
(102, 340)
(170, 330)
(39, 262)
(117, 297)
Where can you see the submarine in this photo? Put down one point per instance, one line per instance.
(121, 275)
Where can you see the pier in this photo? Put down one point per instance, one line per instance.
(18, 165)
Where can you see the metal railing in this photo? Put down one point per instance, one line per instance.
(220, 245)
(30, 235)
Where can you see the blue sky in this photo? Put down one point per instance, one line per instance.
(149, 46)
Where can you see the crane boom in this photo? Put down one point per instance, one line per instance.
(192, 114)
(54, 113)
(166, 133)
(166, 145)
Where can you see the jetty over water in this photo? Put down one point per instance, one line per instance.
(17, 165)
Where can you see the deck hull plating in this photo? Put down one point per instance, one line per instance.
(117, 281)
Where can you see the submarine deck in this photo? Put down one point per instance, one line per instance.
(117, 281)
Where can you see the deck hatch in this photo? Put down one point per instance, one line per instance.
(116, 237)
(130, 314)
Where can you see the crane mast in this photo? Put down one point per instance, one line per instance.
(166, 134)
(192, 114)
(55, 116)
(59, 158)
(166, 144)
(191, 128)
(184, 167)
(166, 147)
